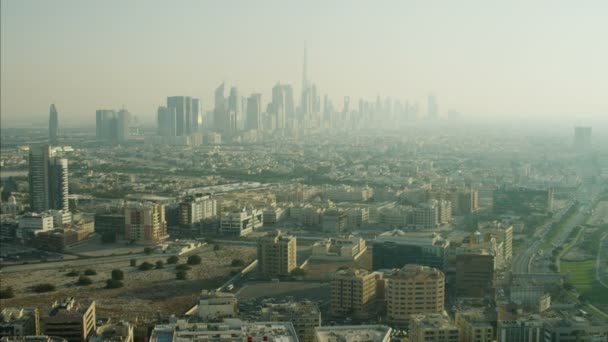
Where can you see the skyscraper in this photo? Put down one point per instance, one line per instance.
(48, 178)
(166, 121)
(433, 108)
(234, 108)
(123, 119)
(53, 124)
(220, 119)
(254, 111)
(105, 124)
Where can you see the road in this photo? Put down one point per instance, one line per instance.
(603, 248)
(587, 194)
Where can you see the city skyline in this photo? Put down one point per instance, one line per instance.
(513, 76)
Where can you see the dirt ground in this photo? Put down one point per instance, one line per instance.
(144, 292)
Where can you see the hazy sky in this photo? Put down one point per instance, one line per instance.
(528, 58)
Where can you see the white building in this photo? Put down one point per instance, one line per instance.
(32, 224)
(241, 223)
(353, 333)
(345, 248)
(213, 305)
(227, 331)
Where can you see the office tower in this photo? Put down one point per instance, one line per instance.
(106, 123)
(432, 328)
(53, 125)
(220, 112)
(254, 112)
(58, 184)
(69, 319)
(433, 108)
(145, 222)
(276, 255)
(39, 177)
(166, 122)
(582, 138)
(123, 119)
(182, 106)
(195, 112)
(234, 106)
(394, 249)
(352, 292)
(475, 275)
(414, 289)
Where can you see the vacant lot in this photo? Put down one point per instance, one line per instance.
(144, 292)
(582, 276)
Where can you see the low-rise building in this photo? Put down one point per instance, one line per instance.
(394, 249)
(305, 317)
(352, 292)
(242, 222)
(214, 306)
(32, 224)
(474, 326)
(433, 327)
(69, 319)
(345, 248)
(354, 333)
(113, 332)
(19, 322)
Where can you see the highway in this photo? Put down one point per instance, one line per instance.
(587, 194)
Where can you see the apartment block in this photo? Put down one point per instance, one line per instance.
(276, 255)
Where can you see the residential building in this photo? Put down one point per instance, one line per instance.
(69, 319)
(432, 327)
(305, 317)
(227, 331)
(414, 289)
(241, 222)
(474, 326)
(276, 255)
(19, 322)
(214, 306)
(354, 333)
(341, 248)
(352, 292)
(48, 179)
(145, 222)
(196, 208)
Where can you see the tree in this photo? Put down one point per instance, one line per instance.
(118, 274)
(298, 272)
(84, 280)
(160, 264)
(183, 267)
(90, 272)
(237, 263)
(172, 259)
(194, 260)
(146, 266)
(7, 293)
(133, 262)
(148, 250)
(181, 275)
(216, 247)
(72, 274)
(44, 287)
(113, 284)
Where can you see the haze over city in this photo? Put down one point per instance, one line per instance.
(312, 171)
(515, 60)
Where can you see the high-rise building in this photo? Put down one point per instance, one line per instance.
(53, 125)
(166, 122)
(48, 178)
(414, 289)
(432, 328)
(234, 107)
(254, 112)
(277, 255)
(582, 138)
(145, 222)
(352, 292)
(69, 319)
(186, 114)
(106, 124)
(123, 119)
(432, 108)
(221, 120)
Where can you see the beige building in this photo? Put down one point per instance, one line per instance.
(473, 326)
(145, 222)
(305, 317)
(414, 289)
(432, 328)
(69, 319)
(277, 254)
(352, 292)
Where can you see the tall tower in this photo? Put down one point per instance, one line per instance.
(305, 70)
(39, 157)
(53, 124)
(433, 108)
